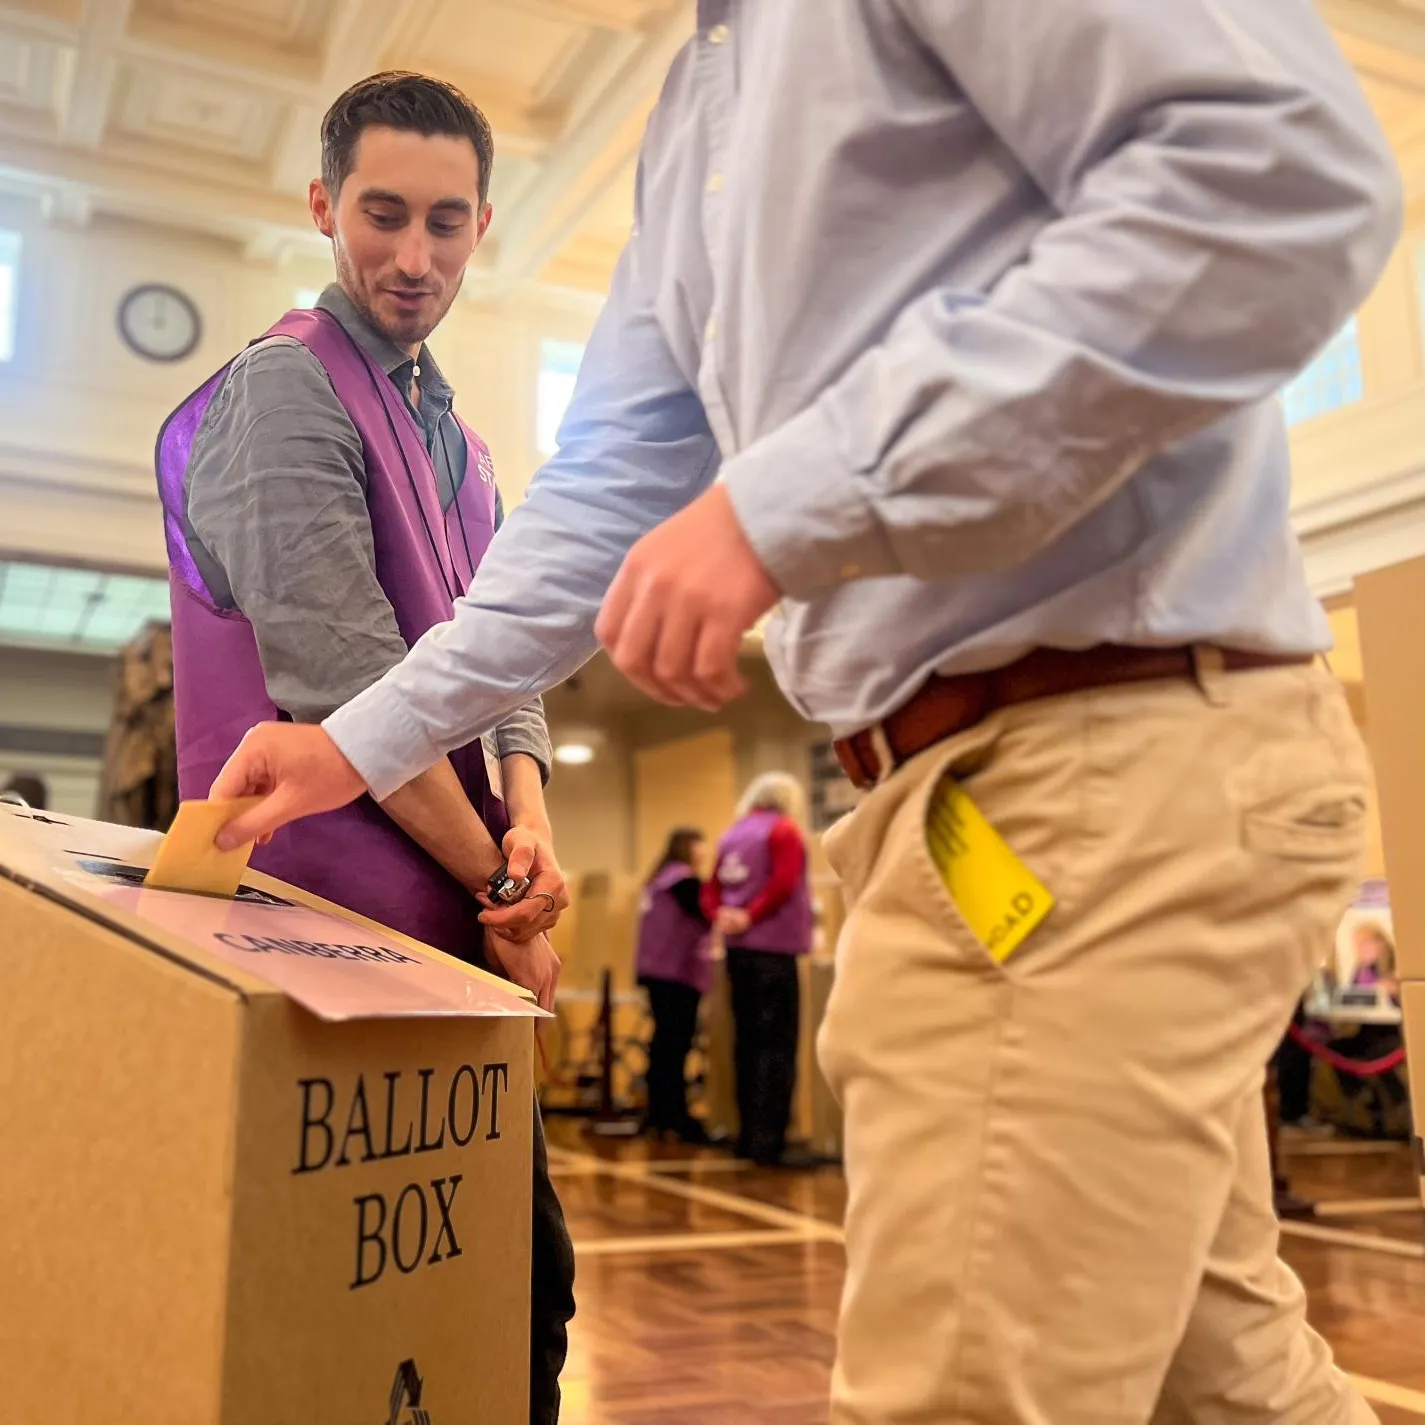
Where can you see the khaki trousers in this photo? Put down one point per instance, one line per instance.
(1060, 1206)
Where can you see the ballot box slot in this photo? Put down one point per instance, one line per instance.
(154, 947)
(109, 868)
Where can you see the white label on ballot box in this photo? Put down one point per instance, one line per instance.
(336, 969)
(331, 966)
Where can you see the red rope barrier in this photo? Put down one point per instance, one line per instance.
(1361, 1068)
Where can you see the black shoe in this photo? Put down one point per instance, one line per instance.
(695, 1134)
(795, 1157)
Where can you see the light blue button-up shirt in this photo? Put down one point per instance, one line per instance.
(978, 307)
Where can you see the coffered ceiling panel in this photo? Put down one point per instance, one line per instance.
(183, 111)
(32, 72)
(203, 114)
(291, 24)
(507, 43)
(62, 12)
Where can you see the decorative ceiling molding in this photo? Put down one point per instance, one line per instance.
(30, 465)
(202, 115)
(85, 106)
(1366, 527)
(601, 143)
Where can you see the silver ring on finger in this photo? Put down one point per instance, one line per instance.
(547, 896)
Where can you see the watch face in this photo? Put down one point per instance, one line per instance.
(507, 889)
(159, 323)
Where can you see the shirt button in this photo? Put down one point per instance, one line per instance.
(710, 331)
(718, 34)
(715, 183)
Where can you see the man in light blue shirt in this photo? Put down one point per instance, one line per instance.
(949, 334)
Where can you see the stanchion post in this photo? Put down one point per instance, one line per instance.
(608, 1122)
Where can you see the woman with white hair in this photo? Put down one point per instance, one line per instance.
(761, 902)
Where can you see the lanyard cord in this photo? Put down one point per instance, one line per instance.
(451, 593)
(455, 493)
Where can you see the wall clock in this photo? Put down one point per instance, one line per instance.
(159, 323)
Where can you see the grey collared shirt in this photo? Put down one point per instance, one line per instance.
(278, 523)
(979, 309)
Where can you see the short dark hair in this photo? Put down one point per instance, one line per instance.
(31, 788)
(415, 103)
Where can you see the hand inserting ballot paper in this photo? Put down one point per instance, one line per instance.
(189, 859)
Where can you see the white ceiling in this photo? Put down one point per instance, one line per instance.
(203, 114)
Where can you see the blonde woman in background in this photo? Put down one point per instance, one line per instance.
(1375, 958)
(760, 901)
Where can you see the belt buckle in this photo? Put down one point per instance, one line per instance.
(885, 758)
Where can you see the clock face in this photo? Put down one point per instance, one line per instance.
(159, 323)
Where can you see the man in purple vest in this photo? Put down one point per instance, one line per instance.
(324, 507)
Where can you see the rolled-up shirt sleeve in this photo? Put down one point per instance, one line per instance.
(1223, 201)
(525, 730)
(634, 449)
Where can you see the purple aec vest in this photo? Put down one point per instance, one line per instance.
(671, 944)
(356, 857)
(744, 866)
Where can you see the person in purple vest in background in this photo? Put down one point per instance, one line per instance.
(761, 902)
(324, 507)
(674, 964)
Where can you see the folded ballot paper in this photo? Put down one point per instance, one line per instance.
(189, 859)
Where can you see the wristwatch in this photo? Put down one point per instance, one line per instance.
(505, 889)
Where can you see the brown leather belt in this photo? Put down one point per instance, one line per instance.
(946, 706)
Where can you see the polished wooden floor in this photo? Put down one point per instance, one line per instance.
(708, 1290)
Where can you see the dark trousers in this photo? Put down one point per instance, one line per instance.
(766, 1013)
(1293, 1065)
(551, 1289)
(675, 1023)
(551, 1295)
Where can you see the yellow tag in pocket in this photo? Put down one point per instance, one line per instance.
(997, 895)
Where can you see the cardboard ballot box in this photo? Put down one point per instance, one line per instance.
(261, 1162)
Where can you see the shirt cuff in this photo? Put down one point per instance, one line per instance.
(377, 733)
(518, 736)
(805, 511)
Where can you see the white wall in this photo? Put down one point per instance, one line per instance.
(591, 809)
(79, 413)
(70, 692)
(55, 692)
(72, 782)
